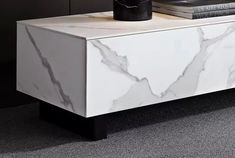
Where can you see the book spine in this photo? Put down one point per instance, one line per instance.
(213, 14)
(208, 8)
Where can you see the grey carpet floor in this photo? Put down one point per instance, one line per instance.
(198, 127)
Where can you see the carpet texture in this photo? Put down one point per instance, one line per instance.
(198, 127)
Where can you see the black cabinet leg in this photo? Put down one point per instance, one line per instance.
(93, 128)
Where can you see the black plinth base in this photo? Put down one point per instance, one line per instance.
(93, 128)
(132, 10)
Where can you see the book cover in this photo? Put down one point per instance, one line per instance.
(195, 6)
(196, 15)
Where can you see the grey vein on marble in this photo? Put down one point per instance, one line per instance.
(65, 99)
(231, 77)
(140, 92)
(113, 60)
(192, 72)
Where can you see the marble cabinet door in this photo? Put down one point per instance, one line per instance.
(137, 70)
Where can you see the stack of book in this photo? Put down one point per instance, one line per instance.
(195, 9)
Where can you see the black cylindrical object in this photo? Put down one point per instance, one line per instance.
(132, 10)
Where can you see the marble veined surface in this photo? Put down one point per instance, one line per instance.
(92, 68)
(100, 25)
(133, 71)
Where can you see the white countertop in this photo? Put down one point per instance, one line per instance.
(102, 25)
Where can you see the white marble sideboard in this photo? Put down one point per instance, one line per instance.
(92, 65)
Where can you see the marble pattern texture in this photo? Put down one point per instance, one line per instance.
(51, 67)
(152, 68)
(94, 76)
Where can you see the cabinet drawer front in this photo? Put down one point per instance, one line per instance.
(137, 70)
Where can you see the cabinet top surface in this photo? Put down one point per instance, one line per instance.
(102, 25)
